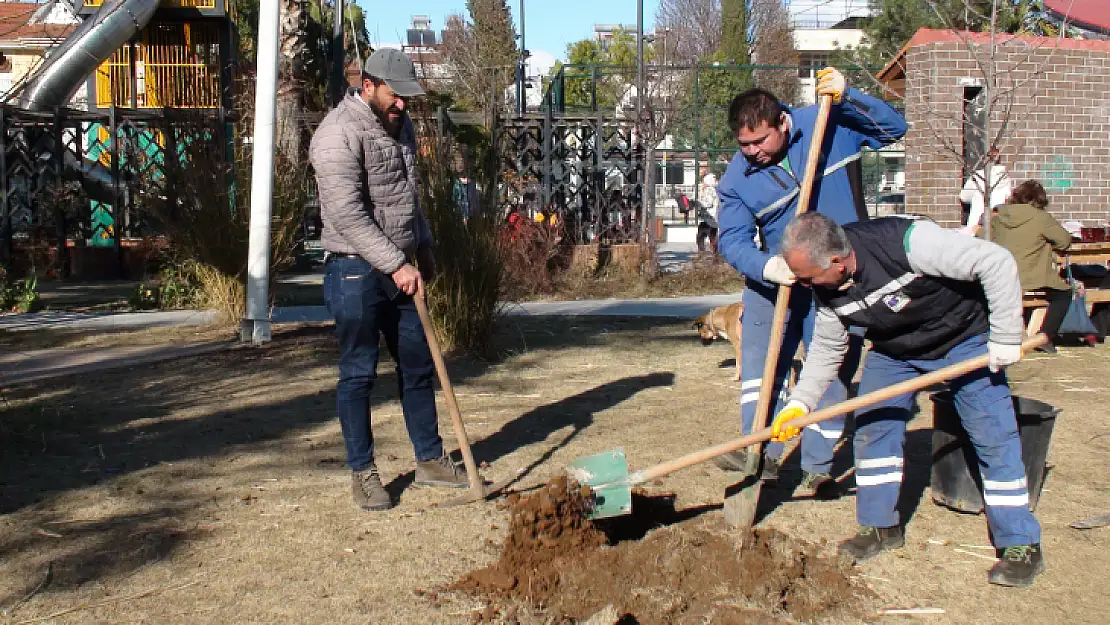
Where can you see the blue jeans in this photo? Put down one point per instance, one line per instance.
(365, 304)
(986, 412)
(818, 440)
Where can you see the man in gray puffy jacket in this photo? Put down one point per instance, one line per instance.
(364, 155)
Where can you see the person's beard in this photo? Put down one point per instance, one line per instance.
(391, 125)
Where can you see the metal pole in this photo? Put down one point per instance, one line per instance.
(255, 326)
(647, 210)
(640, 68)
(593, 87)
(697, 130)
(61, 226)
(640, 129)
(601, 202)
(521, 71)
(117, 197)
(337, 79)
(548, 139)
(5, 205)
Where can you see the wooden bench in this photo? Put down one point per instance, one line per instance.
(1036, 300)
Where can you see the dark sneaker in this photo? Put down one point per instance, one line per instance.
(814, 484)
(871, 541)
(1018, 566)
(440, 472)
(369, 494)
(732, 461)
(737, 461)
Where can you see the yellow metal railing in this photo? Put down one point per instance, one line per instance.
(169, 4)
(113, 79)
(176, 65)
(182, 63)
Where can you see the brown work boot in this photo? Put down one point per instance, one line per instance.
(369, 494)
(441, 471)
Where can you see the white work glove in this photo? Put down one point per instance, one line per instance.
(831, 82)
(776, 270)
(1000, 356)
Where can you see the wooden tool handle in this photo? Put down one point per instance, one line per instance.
(476, 485)
(782, 301)
(909, 386)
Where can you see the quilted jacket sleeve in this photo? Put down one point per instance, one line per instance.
(339, 166)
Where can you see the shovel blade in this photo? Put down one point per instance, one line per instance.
(606, 474)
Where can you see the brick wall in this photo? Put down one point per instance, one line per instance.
(1058, 124)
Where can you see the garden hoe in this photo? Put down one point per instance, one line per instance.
(607, 473)
(478, 490)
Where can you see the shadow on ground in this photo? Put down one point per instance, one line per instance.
(70, 434)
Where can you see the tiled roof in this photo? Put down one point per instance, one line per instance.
(894, 69)
(14, 26)
(1089, 14)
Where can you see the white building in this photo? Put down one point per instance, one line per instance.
(820, 28)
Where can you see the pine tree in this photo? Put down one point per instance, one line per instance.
(493, 32)
(734, 32)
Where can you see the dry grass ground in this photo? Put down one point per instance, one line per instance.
(213, 489)
(76, 337)
(705, 275)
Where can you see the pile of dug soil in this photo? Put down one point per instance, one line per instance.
(691, 572)
(545, 529)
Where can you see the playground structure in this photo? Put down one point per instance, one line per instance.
(154, 71)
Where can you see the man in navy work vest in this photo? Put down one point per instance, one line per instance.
(759, 195)
(928, 298)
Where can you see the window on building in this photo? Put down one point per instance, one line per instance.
(671, 174)
(5, 74)
(810, 62)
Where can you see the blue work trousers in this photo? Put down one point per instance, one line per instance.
(986, 411)
(819, 439)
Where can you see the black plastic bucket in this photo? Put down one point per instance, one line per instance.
(956, 482)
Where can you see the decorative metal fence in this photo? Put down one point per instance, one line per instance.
(76, 175)
(578, 153)
(588, 170)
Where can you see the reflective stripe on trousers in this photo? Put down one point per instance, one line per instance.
(986, 411)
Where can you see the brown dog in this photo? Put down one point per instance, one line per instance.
(722, 322)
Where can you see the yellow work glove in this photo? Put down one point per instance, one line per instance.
(831, 82)
(781, 431)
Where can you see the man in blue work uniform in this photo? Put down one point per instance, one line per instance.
(759, 194)
(928, 298)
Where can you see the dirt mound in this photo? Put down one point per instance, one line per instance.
(692, 572)
(545, 529)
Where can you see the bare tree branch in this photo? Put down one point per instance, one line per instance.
(773, 44)
(694, 27)
(1001, 103)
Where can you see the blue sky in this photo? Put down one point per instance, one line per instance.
(550, 24)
